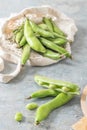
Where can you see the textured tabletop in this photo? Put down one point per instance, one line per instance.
(12, 95)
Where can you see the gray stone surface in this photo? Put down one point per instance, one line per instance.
(12, 95)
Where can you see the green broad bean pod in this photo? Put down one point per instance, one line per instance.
(55, 47)
(43, 26)
(42, 32)
(43, 93)
(59, 41)
(57, 29)
(48, 23)
(25, 54)
(52, 55)
(44, 110)
(23, 41)
(58, 35)
(31, 39)
(19, 36)
(59, 85)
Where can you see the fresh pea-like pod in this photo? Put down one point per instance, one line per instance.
(43, 93)
(31, 39)
(55, 47)
(52, 55)
(57, 29)
(43, 26)
(48, 23)
(42, 32)
(58, 35)
(31, 106)
(56, 84)
(23, 41)
(25, 54)
(19, 36)
(60, 41)
(46, 108)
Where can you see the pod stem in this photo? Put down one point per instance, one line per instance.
(18, 46)
(25, 16)
(61, 56)
(71, 57)
(37, 122)
(22, 65)
(28, 97)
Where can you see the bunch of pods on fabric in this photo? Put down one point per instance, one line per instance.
(46, 38)
(62, 92)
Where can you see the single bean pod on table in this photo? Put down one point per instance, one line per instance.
(43, 93)
(44, 110)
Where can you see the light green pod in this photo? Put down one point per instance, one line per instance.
(31, 106)
(43, 93)
(60, 41)
(57, 84)
(59, 35)
(54, 47)
(43, 26)
(42, 32)
(52, 55)
(44, 110)
(48, 23)
(25, 54)
(23, 41)
(18, 116)
(31, 39)
(19, 36)
(57, 29)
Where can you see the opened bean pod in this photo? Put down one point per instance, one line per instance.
(61, 86)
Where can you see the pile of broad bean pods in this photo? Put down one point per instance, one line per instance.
(46, 38)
